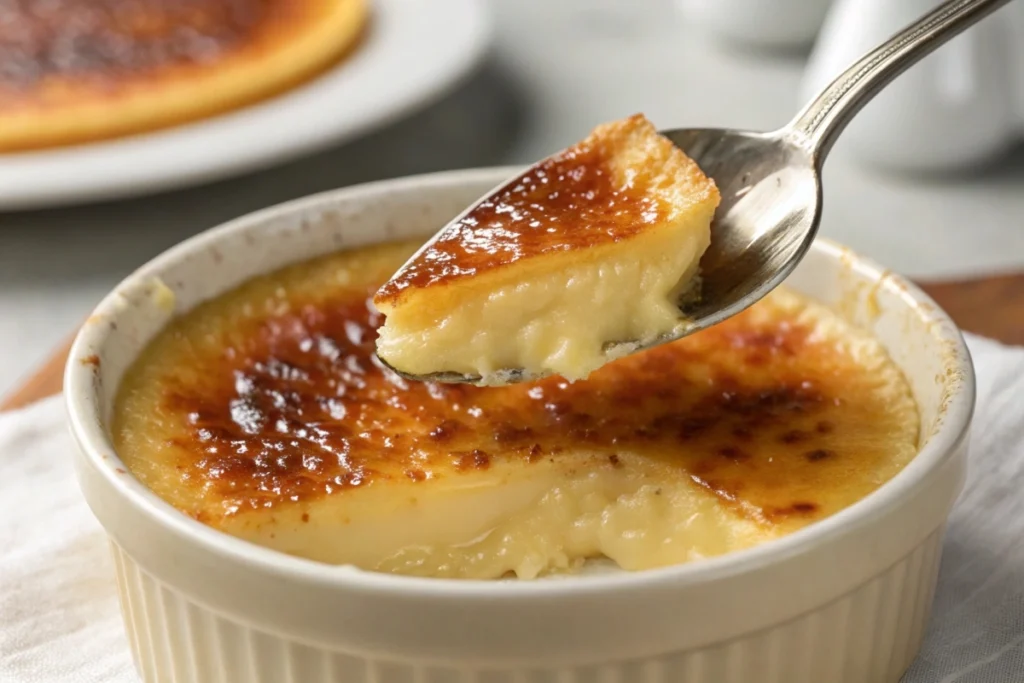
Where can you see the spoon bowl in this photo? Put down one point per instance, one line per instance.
(768, 215)
(770, 185)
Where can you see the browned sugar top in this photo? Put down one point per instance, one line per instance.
(283, 400)
(569, 201)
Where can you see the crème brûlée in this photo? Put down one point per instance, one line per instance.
(75, 71)
(592, 247)
(265, 413)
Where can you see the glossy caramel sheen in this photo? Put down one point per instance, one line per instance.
(571, 200)
(272, 395)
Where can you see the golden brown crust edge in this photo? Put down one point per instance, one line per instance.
(634, 155)
(638, 153)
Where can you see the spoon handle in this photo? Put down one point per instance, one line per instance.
(820, 123)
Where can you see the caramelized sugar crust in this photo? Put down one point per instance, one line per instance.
(273, 395)
(114, 39)
(584, 196)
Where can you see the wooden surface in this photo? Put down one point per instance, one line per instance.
(993, 307)
(45, 381)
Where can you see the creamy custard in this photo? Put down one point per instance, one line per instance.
(593, 246)
(265, 414)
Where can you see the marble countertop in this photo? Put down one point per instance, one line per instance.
(557, 69)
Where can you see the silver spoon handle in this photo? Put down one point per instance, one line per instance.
(820, 123)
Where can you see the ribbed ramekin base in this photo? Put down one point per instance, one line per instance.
(869, 635)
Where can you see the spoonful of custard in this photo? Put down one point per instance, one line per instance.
(629, 238)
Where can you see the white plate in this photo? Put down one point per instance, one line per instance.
(414, 51)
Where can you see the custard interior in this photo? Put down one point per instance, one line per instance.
(590, 248)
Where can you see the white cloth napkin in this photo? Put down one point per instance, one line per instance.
(59, 618)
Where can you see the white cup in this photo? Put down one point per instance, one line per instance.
(777, 24)
(959, 107)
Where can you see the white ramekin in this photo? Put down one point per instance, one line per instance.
(844, 600)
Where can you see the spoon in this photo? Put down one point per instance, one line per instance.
(770, 183)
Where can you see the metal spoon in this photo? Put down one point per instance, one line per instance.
(771, 182)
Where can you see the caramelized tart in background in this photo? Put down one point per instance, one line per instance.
(265, 413)
(74, 71)
(594, 245)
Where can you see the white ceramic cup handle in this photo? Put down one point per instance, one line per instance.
(821, 121)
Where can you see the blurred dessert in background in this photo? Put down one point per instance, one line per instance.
(74, 71)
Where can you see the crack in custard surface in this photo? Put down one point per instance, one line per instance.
(271, 398)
